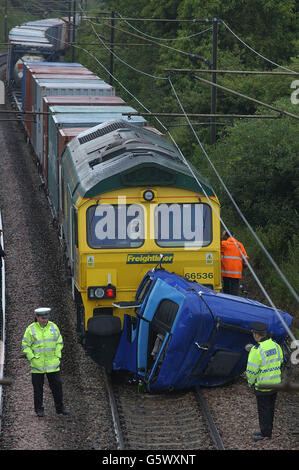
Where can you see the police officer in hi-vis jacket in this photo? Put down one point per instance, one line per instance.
(263, 370)
(42, 344)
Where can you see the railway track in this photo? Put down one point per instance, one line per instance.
(172, 421)
(3, 381)
(34, 275)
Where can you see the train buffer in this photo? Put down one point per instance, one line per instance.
(131, 304)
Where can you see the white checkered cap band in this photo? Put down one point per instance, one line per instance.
(43, 311)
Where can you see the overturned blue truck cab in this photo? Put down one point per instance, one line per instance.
(187, 335)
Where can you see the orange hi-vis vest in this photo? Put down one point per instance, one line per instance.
(231, 258)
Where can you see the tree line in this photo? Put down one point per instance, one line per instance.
(256, 158)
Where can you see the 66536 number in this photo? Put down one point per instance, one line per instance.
(195, 276)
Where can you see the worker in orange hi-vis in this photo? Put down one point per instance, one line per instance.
(233, 256)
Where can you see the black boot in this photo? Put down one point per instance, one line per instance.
(63, 411)
(260, 437)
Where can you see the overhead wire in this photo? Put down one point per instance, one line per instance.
(164, 39)
(255, 52)
(243, 218)
(189, 54)
(35, 8)
(233, 201)
(121, 60)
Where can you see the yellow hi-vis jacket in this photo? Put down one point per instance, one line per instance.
(42, 347)
(264, 365)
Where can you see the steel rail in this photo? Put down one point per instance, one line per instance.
(209, 419)
(212, 429)
(3, 329)
(115, 414)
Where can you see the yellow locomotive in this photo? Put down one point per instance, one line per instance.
(129, 202)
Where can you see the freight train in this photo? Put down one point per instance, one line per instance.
(127, 206)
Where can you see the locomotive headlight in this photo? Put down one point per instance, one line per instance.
(148, 195)
(101, 292)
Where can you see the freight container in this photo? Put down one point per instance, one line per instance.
(55, 68)
(54, 64)
(52, 32)
(82, 101)
(75, 110)
(91, 109)
(36, 137)
(59, 77)
(72, 101)
(29, 85)
(35, 37)
(84, 79)
(64, 136)
(65, 77)
(28, 35)
(62, 120)
(34, 101)
(55, 31)
(48, 68)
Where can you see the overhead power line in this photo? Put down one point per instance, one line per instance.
(152, 20)
(274, 108)
(121, 60)
(230, 116)
(239, 72)
(164, 39)
(189, 54)
(252, 50)
(244, 220)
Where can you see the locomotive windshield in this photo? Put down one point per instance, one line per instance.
(115, 226)
(183, 225)
(123, 225)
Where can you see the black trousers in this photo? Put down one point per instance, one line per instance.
(55, 384)
(266, 409)
(231, 285)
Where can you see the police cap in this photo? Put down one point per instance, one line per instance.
(259, 327)
(43, 312)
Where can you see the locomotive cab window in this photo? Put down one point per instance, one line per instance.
(115, 226)
(179, 225)
(143, 290)
(161, 324)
